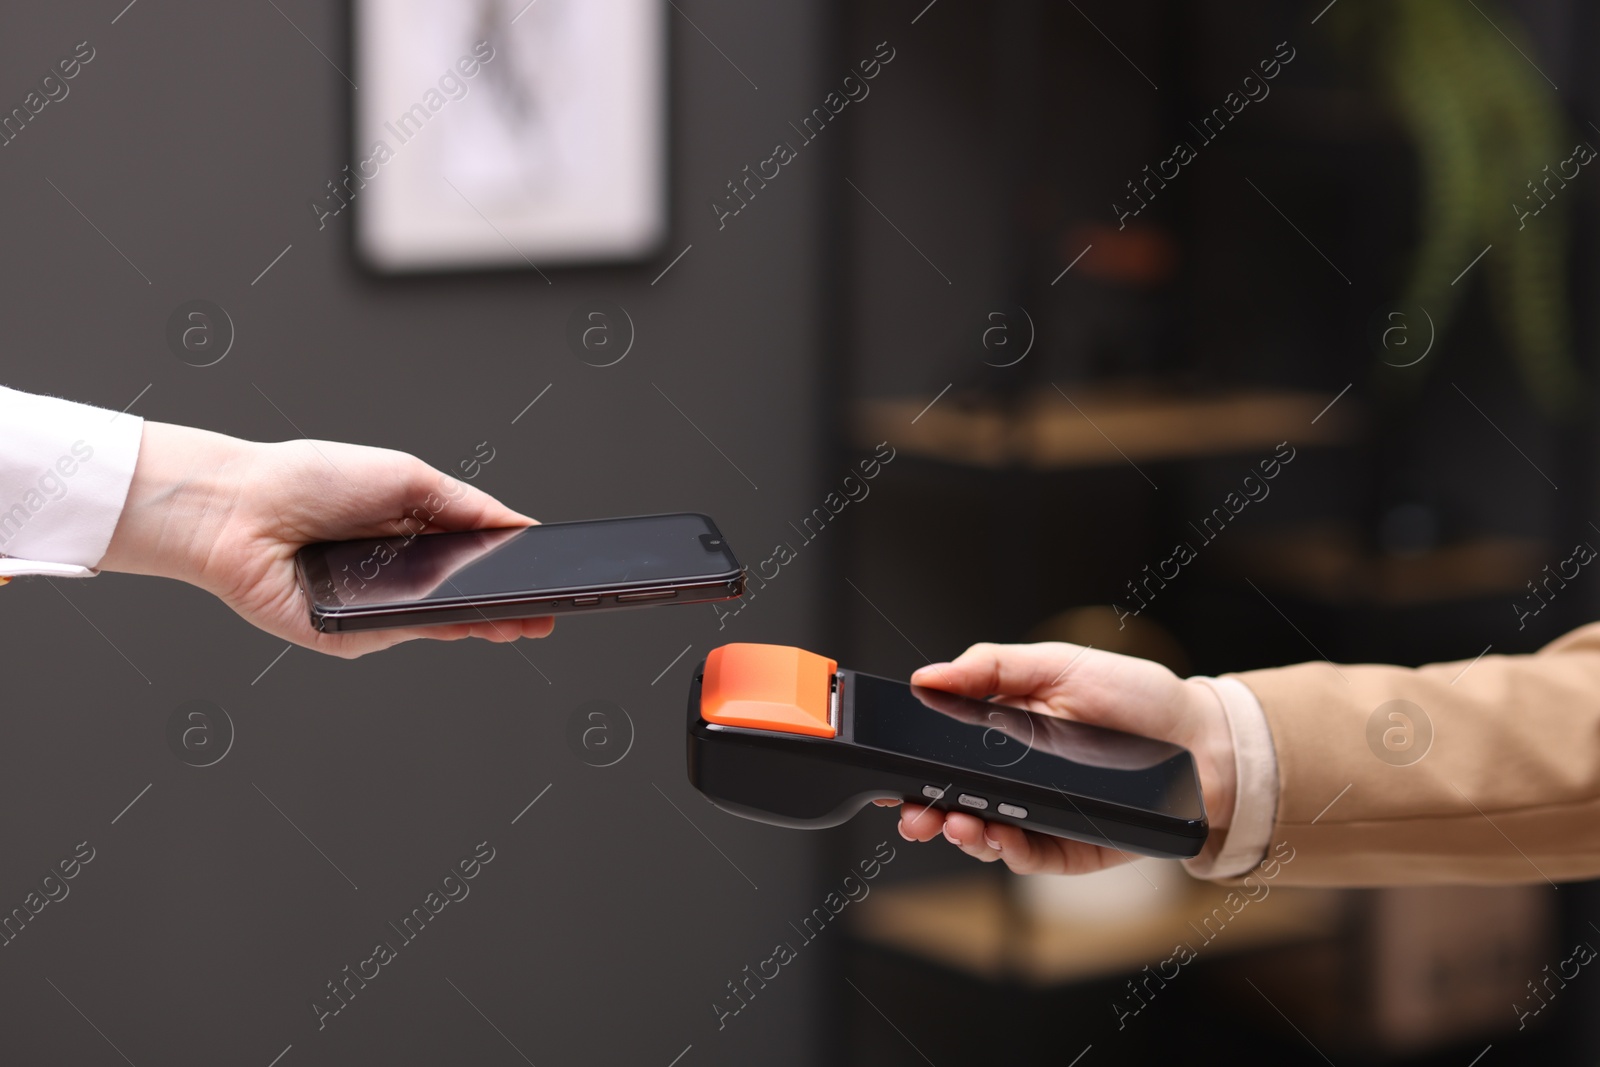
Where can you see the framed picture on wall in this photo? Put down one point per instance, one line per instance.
(505, 133)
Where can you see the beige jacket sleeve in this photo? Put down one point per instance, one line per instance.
(1478, 771)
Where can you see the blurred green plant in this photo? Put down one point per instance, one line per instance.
(1485, 123)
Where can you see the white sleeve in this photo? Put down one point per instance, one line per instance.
(64, 474)
(1255, 806)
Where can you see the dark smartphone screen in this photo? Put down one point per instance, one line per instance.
(479, 564)
(1041, 750)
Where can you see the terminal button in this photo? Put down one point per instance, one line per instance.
(933, 792)
(967, 800)
(1016, 811)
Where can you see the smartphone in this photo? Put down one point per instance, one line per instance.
(482, 575)
(782, 736)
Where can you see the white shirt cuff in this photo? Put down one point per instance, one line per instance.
(1255, 807)
(64, 474)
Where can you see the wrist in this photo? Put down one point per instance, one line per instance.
(184, 488)
(1211, 743)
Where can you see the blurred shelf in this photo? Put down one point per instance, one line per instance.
(1329, 564)
(971, 923)
(1102, 425)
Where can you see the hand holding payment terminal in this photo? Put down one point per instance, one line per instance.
(783, 736)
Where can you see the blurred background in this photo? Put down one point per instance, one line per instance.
(985, 251)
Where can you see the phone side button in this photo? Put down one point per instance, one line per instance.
(585, 601)
(967, 800)
(665, 594)
(1016, 811)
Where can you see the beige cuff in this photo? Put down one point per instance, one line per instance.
(1243, 845)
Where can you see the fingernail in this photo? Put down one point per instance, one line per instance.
(902, 828)
(950, 837)
(991, 842)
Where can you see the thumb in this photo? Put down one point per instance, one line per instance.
(986, 669)
(466, 507)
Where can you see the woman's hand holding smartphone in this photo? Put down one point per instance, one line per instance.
(229, 516)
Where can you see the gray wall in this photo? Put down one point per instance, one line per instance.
(206, 922)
